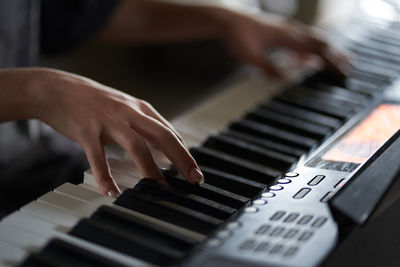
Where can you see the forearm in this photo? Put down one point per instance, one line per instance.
(143, 21)
(17, 93)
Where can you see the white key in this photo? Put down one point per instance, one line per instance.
(90, 197)
(67, 203)
(34, 224)
(11, 255)
(17, 236)
(50, 213)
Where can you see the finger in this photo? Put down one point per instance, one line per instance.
(149, 110)
(139, 151)
(164, 138)
(100, 168)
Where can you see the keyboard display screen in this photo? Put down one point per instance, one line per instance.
(357, 145)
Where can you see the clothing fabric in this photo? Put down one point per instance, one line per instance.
(33, 157)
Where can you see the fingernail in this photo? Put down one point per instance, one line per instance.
(196, 176)
(112, 193)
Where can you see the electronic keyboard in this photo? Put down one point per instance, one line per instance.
(288, 176)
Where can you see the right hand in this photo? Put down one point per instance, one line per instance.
(94, 115)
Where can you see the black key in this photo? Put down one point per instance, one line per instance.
(61, 253)
(274, 134)
(291, 151)
(364, 87)
(251, 152)
(139, 227)
(290, 123)
(344, 93)
(233, 183)
(168, 212)
(136, 246)
(237, 166)
(331, 98)
(304, 114)
(374, 70)
(370, 53)
(185, 199)
(207, 190)
(318, 105)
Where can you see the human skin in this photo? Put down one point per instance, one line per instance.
(94, 115)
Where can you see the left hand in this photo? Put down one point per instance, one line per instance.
(250, 38)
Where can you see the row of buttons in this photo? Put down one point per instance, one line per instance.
(272, 249)
(280, 231)
(291, 217)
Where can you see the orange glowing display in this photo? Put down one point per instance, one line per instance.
(364, 140)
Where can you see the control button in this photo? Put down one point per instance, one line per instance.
(319, 222)
(284, 181)
(305, 236)
(340, 183)
(277, 215)
(275, 187)
(224, 234)
(291, 217)
(247, 245)
(276, 249)
(291, 174)
(268, 194)
(305, 219)
(327, 196)
(233, 225)
(259, 202)
(316, 180)
(291, 233)
(263, 229)
(214, 243)
(263, 246)
(251, 209)
(302, 193)
(290, 252)
(277, 231)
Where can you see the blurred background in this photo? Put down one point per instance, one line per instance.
(174, 77)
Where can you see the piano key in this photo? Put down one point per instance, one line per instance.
(60, 253)
(50, 213)
(333, 99)
(133, 245)
(303, 114)
(359, 85)
(371, 53)
(356, 97)
(206, 190)
(81, 193)
(233, 183)
(41, 228)
(286, 122)
(67, 203)
(137, 226)
(237, 97)
(34, 224)
(185, 199)
(11, 255)
(169, 212)
(21, 238)
(234, 165)
(250, 152)
(318, 105)
(295, 152)
(273, 134)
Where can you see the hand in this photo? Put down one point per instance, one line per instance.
(250, 38)
(94, 115)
